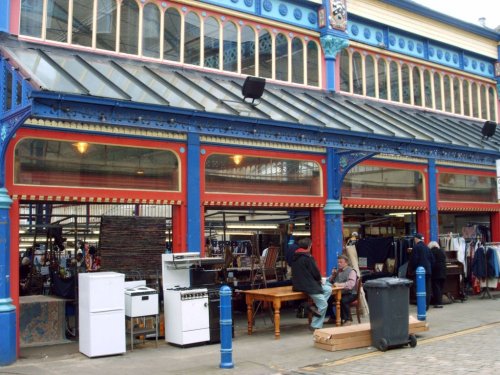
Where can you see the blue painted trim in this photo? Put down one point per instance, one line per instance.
(330, 74)
(82, 108)
(5, 16)
(367, 31)
(429, 13)
(193, 193)
(7, 309)
(433, 208)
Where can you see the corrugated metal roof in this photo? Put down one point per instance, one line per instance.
(75, 72)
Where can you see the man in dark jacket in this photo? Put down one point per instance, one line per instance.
(438, 273)
(421, 256)
(306, 278)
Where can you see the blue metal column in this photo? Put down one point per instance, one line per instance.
(5, 16)
(433, 209)
(333, 211)
(338, 164)
(193, 193)
(7, 309)
(334, 37)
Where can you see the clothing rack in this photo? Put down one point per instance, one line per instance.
(486, 291)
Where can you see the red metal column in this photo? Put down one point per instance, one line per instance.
(179, 228)
(318, 238)
(423, 224)
(495, 226)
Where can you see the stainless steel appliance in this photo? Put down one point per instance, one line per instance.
(186, 316)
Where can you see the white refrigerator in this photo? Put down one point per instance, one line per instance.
(101, 311)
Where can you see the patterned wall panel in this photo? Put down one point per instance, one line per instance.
(298, 13)
(290, 12)
(406, 45)
(366, 34)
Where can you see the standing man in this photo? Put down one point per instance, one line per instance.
(438, 273)
(421, 256)
(307, 278)
(345, 277)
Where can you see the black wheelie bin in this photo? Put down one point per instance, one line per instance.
(388, 301)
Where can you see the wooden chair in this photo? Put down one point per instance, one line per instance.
(356, 303)
(265, 269)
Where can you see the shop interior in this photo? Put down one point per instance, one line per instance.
(247, 245)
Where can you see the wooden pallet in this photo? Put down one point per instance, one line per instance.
(355, 336)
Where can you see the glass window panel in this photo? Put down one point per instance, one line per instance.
(344, 71)
(241, 174)
(382, 79)
(82, 23)
(265, 54)
(394, 81)
(417, 88)
(87, 77)
(172, 35)
(19, 96)
(365, 181)
(230, 47)
(456, 95)
(7, 92)
(211, 43)
(466, 87)
(447, 93)
(281, 46)
(247, 51)
(312, 64)
(57, 20)
(297, 61)
(58, 163)
(467, 188)
(151, 31)
(475, 103)
(46, 74)
(428, 89)
(129, 27)
(192, 39)
(405, 76)
(484, 102)
(31, 18)
(370, 76)
(491, 98)
(357, 77)
(106, 24)
(438, 91)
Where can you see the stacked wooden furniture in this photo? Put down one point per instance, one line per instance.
(355, 336)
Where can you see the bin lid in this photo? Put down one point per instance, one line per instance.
(387, 282)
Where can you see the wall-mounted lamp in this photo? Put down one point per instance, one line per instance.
(253, 88)
(489, 129)
(237, 159)
(81, 147)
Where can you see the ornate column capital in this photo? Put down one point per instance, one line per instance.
(332, 45)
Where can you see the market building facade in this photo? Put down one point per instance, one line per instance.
(376, 116)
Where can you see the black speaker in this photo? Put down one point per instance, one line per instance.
(488, 129)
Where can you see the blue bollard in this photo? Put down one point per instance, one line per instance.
(226, 328)
(421, 301)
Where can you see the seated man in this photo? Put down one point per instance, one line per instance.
(307, 278)
(346, 278)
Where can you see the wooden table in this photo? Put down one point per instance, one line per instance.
(276, 296)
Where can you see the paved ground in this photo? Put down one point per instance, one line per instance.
(463, 338)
